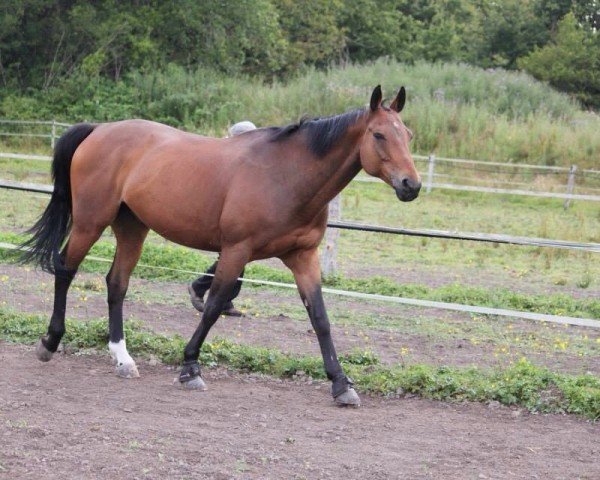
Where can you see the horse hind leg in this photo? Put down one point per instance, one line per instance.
(78, 245)
(130, 234)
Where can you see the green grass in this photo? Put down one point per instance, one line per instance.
(505, 338)
(524, 384)
(471, 212)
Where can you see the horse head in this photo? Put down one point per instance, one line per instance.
(384, 151)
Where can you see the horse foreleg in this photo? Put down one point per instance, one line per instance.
(305, 266)
(230, 266)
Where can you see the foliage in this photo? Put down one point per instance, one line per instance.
(454, 109)
(524, 384)
(43, 42)
(312, 30)
(512, 28)
(571, 62)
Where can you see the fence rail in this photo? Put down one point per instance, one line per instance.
(429, 183)
(538, 242)
(501, 164)
(53, 134)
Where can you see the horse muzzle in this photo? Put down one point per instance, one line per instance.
(407, 189)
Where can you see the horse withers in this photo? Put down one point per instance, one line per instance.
(257, 195)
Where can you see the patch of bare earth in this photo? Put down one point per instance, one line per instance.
(73, 418)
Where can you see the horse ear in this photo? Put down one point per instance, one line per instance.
(376, 98)
(399, 101)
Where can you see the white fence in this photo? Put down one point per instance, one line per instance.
(50, 129)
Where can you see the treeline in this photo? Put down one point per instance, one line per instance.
(42, 42)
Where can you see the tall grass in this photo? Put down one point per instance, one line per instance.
(454, 109)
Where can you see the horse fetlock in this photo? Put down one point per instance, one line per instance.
(42, 352)
(190, 378)
(340, 384)
(125, 365)
(343, 393)
(189, 371)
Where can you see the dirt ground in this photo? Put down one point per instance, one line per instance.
(73, 418)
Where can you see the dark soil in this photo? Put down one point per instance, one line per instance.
(73, 418)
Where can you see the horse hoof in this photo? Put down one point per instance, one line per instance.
(197, 301)
(348, 398)
(127, 370)
(42, 353)
(195, 383)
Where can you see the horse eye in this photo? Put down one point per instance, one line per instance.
(379, 136)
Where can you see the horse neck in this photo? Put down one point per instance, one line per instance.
(334, 171)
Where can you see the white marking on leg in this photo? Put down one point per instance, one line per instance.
(119, 353)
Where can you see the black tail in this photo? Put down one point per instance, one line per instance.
(50, 231)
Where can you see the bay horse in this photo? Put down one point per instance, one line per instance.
(258, 195)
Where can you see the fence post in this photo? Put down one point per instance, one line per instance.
(570, 185)
(328, 256)
(53, 136)
(430, 172)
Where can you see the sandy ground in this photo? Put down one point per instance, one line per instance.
(73, 418)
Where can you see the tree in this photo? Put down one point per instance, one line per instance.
(312, 30)
(571, 62)
(510, 29)
(229, 35)
(376, 28)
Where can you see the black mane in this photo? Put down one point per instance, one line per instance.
(321, 133)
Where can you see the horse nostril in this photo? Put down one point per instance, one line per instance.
(406, 182)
